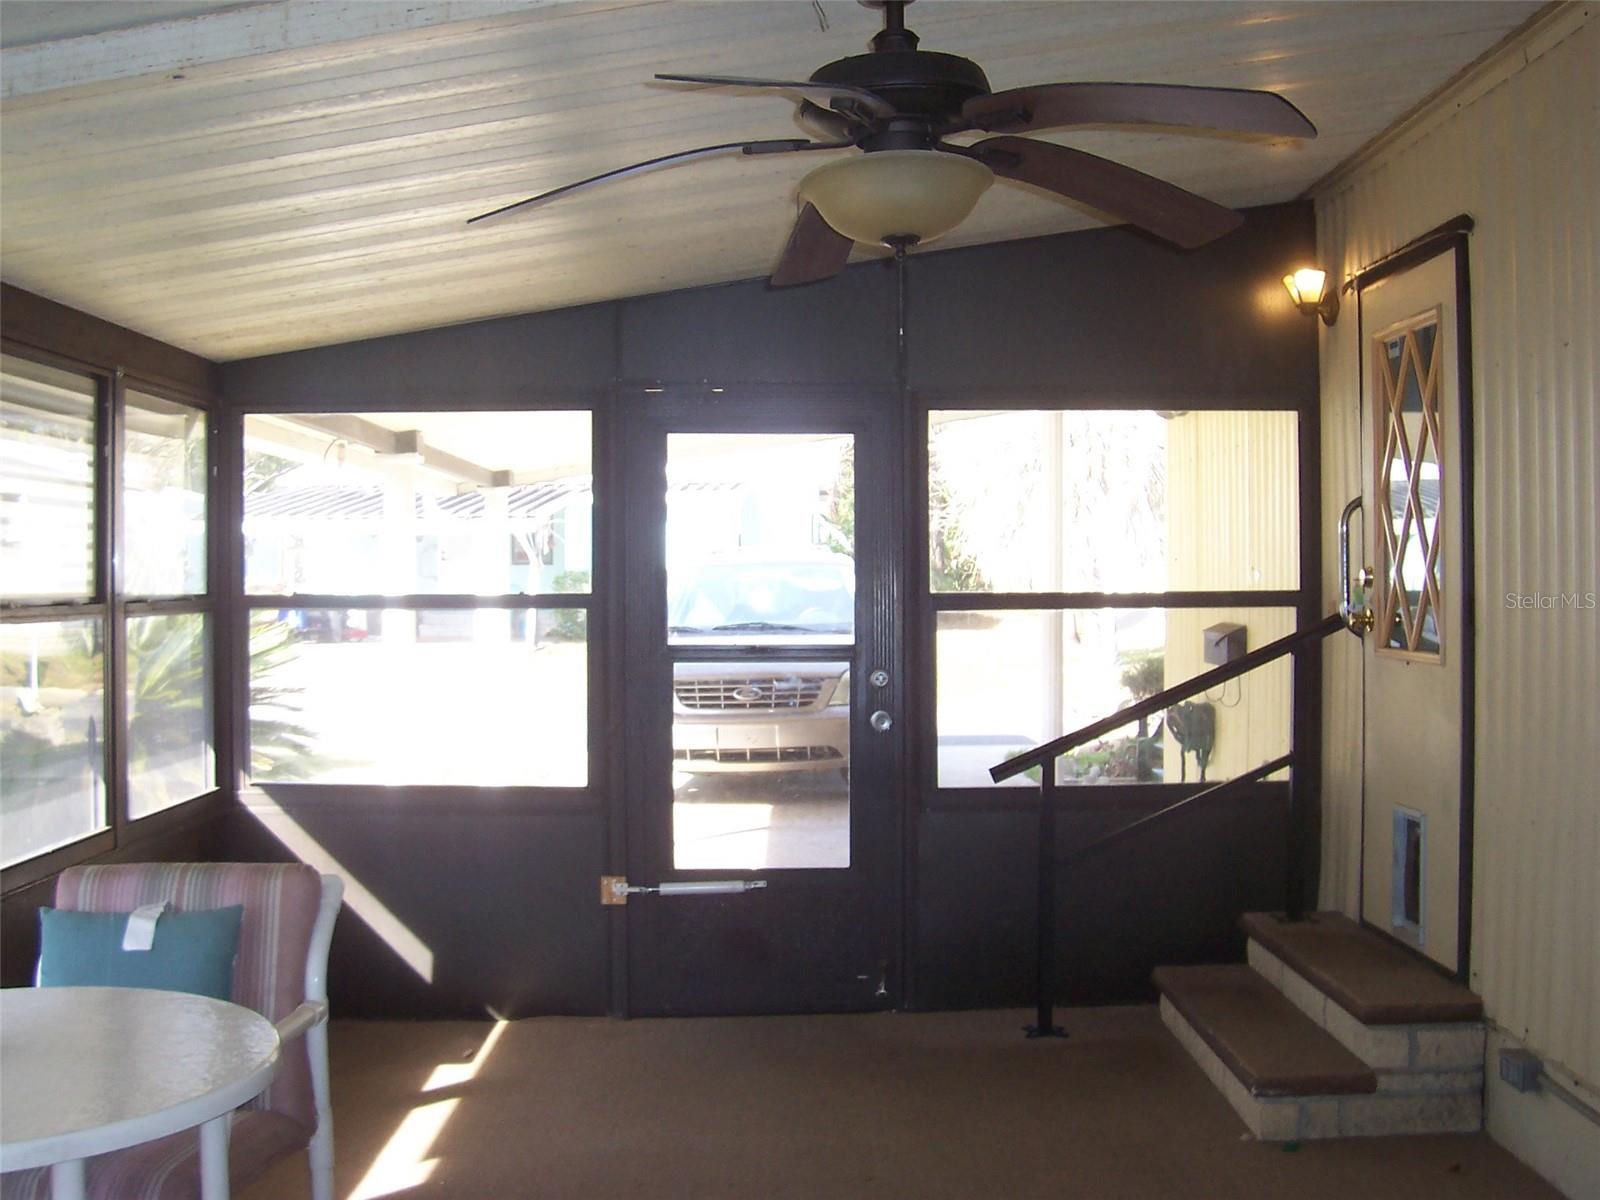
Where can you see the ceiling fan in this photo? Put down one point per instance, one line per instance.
(898, 105)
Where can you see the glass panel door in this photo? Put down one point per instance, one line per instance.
(761, 568)
(760, 699)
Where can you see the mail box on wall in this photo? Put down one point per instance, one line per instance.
(1223, 643)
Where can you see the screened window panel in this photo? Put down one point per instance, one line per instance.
(1007, 681)
(464, 697)
(170, 754)
(52, 718)
(394, 504)
(1094, 501)
(164, 498)
(47, 482)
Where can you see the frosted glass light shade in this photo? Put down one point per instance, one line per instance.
(896, 193)
(1312, 295)
(1305, 285)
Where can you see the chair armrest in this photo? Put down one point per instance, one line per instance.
(311, 1012)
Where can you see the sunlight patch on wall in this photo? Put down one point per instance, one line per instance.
(407, 946)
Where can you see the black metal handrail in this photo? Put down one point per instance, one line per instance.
(1049, 796)
(1161, 814)
(1067, 742)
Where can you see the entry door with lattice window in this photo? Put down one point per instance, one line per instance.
(1412, 662)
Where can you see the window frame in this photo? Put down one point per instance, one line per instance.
(134, 605)
(107, 603)
(242, 605)
(927, 604)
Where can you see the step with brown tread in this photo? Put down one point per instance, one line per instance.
(1376, 981)
(1270, 1045)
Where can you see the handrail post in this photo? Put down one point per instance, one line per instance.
(1045, 920)
(1294, 872)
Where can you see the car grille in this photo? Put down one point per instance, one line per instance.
(784, 754)
(761, 694)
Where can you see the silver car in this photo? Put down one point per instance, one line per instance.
(759, 716)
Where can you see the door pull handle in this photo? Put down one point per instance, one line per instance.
(1358, 621)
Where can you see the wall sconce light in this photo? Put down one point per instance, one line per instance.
(1312, 295)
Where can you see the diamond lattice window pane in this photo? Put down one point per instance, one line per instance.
(1409, 479)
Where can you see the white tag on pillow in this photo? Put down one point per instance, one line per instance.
(141, 931)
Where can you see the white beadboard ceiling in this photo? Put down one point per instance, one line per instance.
(249, 178)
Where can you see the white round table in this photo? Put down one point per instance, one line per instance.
(92, 1069)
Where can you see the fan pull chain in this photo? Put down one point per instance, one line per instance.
(902, 360)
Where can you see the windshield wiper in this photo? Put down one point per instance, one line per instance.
(686, 629)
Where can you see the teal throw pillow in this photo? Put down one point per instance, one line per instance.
(192, 951)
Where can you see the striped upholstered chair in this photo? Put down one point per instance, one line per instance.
(281, 972)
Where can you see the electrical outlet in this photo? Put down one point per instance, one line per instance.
(1521, 1069)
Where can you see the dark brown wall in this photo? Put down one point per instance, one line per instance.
(841, 331)
(503, 895)
(508, 900)
(1114, 316)
(1104, 314)
(487, 362)
(1171, 895)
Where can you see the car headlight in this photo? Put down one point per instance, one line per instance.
(841, 692)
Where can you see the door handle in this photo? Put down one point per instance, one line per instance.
(1357, 620)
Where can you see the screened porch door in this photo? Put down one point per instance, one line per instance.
(761, 705)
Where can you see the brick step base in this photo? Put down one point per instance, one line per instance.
(1331, 1031)
(1451, 1051)
(1304, 1118)
(1370, 977)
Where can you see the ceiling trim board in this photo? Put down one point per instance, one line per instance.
(1546, 29)
(44, 324)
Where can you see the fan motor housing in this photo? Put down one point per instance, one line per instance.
(919, 83)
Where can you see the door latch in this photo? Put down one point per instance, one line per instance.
(615, 889)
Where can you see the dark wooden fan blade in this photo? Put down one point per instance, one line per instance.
(1164, 209)
(821, 93)
(815, 251)
(1053, 105)
(770, 146)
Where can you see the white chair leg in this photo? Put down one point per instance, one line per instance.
(320, 1152)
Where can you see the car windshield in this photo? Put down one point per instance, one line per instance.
(765, 597)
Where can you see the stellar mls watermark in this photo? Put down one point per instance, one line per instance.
(1548, 601)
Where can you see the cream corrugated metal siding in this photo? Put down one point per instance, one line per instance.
(1233, 522)
(1516, 146)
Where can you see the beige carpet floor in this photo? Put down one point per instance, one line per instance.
(930, 1106)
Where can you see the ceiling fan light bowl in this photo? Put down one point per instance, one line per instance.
(896, 194)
